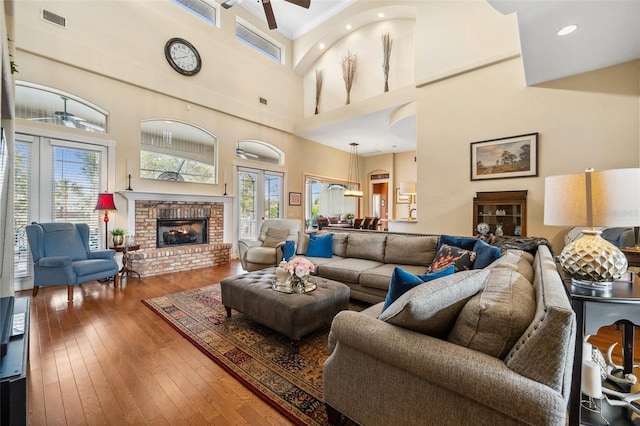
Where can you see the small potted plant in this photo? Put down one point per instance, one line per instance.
(117, 236)
(349, 217)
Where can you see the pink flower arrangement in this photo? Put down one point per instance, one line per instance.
(300, 267)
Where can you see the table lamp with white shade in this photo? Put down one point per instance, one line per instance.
(608, 198)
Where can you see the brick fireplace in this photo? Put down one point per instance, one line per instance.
(145, 209)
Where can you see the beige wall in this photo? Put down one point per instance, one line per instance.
(589, 120)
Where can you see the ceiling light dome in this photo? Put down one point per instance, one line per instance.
(567, 30)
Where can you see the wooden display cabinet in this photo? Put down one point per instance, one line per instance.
(506, 207)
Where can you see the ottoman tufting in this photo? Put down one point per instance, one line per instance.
(292, 314)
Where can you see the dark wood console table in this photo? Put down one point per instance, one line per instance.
(595, 309)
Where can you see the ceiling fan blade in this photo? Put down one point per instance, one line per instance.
(229, 3)
(301, 3)
(268, 11)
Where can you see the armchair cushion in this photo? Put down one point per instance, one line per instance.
(275, 236)
(432, 309)
(61, 239)
(54, 261)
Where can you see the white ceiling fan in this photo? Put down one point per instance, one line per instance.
(69, 119)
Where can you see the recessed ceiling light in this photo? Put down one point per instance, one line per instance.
(567, 30)
(321, 46)
(380, 15)
(348, 27)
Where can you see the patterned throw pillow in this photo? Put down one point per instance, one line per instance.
(450, 255)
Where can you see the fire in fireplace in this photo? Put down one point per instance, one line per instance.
(176, 232)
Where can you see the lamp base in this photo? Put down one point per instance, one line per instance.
(593, 285)
(593, 259)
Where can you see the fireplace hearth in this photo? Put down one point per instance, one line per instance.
(179, 232)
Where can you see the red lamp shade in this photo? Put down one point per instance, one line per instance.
(105, 202)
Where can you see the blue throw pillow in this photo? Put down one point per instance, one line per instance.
(485, 253)
(288, 250)
(320, 246)
(403, 281)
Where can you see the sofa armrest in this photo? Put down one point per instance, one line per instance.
(54, 261)
(102, 254)
(477, 376)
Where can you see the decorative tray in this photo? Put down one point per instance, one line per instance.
(285, 288)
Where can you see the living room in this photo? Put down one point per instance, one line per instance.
(467, 85)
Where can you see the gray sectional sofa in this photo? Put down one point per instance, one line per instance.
(486, 347)
(365, 260)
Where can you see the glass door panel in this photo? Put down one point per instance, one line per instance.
(260, 197)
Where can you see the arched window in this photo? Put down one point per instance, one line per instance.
(176, 151)
(45, 104)
(259, 151)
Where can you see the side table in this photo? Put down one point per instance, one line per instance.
(126, 260)
(595, 309)
(632, 254)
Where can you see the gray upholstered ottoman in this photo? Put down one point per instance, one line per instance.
(294, 315)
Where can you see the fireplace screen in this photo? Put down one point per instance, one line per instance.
(177, 232)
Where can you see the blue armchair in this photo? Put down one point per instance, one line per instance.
(61, 256)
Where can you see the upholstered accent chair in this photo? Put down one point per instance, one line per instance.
(266, 251)
(61, 256)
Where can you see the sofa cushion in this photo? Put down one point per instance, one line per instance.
(432, 309)
(303, 242)
(320, 246)
(410, 249)
(450, 255)
(485, 253)
(403, 281)
(493, 320)
(340, 244)
(275, 236)
(516, 260)
(346, 270)
(379, 277)
(366, 246)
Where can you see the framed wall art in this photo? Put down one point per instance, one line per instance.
(295, 199)
(512, 157)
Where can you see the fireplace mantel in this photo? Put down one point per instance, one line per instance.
(133, 196)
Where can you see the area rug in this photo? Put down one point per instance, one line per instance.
(258, 357)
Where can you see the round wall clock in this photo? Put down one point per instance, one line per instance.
(182, 56)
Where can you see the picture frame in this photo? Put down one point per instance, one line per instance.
(511, 157)
(295, 199)
(402, 198)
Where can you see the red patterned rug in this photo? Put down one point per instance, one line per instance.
(257, 356)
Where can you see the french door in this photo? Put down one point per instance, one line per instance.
(55, 180)
(260, 197)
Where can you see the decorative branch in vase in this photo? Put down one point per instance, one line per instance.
(387, 44)
(349, 67)
(319, 76)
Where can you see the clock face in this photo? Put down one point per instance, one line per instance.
(483, 228)
(182, 56)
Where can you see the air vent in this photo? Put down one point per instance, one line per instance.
(51, 17)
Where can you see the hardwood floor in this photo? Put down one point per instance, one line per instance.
(107, 359)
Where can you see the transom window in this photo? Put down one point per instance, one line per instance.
(255, 38)
(206, 9)
(48, 105)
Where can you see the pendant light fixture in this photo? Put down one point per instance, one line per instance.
(353, 185)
